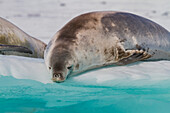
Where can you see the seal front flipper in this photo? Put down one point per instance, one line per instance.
(134, 56)
(11, 49)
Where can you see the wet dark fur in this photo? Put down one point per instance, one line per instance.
(69, 31)
(128, 25)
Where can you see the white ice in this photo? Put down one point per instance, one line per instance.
(35, 69)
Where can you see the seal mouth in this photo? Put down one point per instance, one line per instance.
(58, 77)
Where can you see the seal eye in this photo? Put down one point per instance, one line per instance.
(69, 67)
(49, 67)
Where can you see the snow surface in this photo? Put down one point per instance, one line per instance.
(35, 69)
(25, 84)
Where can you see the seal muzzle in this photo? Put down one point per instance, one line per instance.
(58, 77)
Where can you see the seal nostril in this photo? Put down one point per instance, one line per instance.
(57, 75)
(54, 75)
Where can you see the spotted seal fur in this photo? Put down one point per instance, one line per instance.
(98, 39)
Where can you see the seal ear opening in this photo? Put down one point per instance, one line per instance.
(14, 48)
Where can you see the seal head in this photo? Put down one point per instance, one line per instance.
(59, 61)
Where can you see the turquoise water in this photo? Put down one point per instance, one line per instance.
(143, 87)
(116, 96)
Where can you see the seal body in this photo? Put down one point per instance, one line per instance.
(98, 39)
(14, 41)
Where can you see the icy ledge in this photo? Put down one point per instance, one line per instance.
(35, 69)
